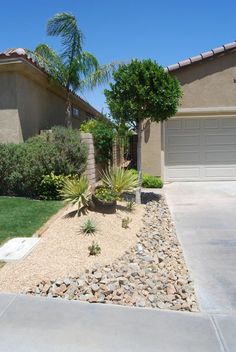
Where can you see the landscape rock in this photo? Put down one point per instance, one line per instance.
(151, 274)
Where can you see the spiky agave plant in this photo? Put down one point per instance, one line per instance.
(77, 191)
(119, 179)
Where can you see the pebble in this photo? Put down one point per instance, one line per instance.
(151, 274)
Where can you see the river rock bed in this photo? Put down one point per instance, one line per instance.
(151, 274)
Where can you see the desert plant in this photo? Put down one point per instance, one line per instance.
(77, 191)
(94, 249)
(119, 179)
(106, 194)
(149, 181)
(125, 222)
(130, 205)
(89, 226)
(141, 91)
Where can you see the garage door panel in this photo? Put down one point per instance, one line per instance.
(216, 172)
(174, 125)
(200, 149)
(220, 139)
(183, 140)
(220, 156)
(183, 157)
(228, 123)
(191, 124)
(183, 172)
(211, 123)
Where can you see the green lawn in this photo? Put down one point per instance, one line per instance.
(22, 216)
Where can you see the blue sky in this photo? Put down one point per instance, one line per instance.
(165, 31)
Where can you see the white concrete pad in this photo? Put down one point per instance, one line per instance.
(17, 248)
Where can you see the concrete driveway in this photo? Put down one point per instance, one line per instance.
(34, 324)
(205, 218)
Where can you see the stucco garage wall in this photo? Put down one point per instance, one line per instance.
(206, 84)
(209, 83)
(151, 149)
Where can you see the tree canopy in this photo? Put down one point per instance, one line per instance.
(142, 90)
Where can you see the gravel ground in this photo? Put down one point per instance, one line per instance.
(63, 249)
(150, 274)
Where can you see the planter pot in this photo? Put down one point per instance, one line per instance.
(103, 207)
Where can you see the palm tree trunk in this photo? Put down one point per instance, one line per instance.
(68, 121)
(139, 162)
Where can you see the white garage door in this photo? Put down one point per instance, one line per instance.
(200, 149)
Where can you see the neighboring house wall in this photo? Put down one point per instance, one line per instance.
(30, 102)
(38, 108)
(206, 84)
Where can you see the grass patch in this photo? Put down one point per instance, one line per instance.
(22, 217)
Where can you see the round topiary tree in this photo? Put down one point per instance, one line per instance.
(142, 90)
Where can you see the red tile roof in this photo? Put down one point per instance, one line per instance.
(205, 55)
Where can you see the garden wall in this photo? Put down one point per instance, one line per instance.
(91, 165)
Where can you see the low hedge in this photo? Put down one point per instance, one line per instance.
(23, 166)
(149, 181)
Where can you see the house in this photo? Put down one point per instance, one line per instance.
(30, 101)
(199, 143)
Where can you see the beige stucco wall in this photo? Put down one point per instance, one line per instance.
(9, 118)
(207, 84)
(38, 107)
(30, 102)
(151, 149)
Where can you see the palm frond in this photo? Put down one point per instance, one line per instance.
(102, 75)
(64, 25)
(51, 61)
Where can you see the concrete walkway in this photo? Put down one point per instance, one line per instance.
(53, 325)
(205, 217)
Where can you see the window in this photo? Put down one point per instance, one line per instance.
(75, 112)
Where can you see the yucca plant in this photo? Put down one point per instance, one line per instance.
(119, 179)
(77, 191)
(89, 227)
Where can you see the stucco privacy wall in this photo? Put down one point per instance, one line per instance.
(206, 84)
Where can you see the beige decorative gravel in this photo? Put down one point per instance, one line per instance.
(63, 248)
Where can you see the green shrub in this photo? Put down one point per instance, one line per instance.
(51, 185)
(94, 249)
(77, 191)
(103, 135)
(119, 179)
(149, 181)
(106, 194)
(23, 166)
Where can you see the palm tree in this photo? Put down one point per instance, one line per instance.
(74, 68)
